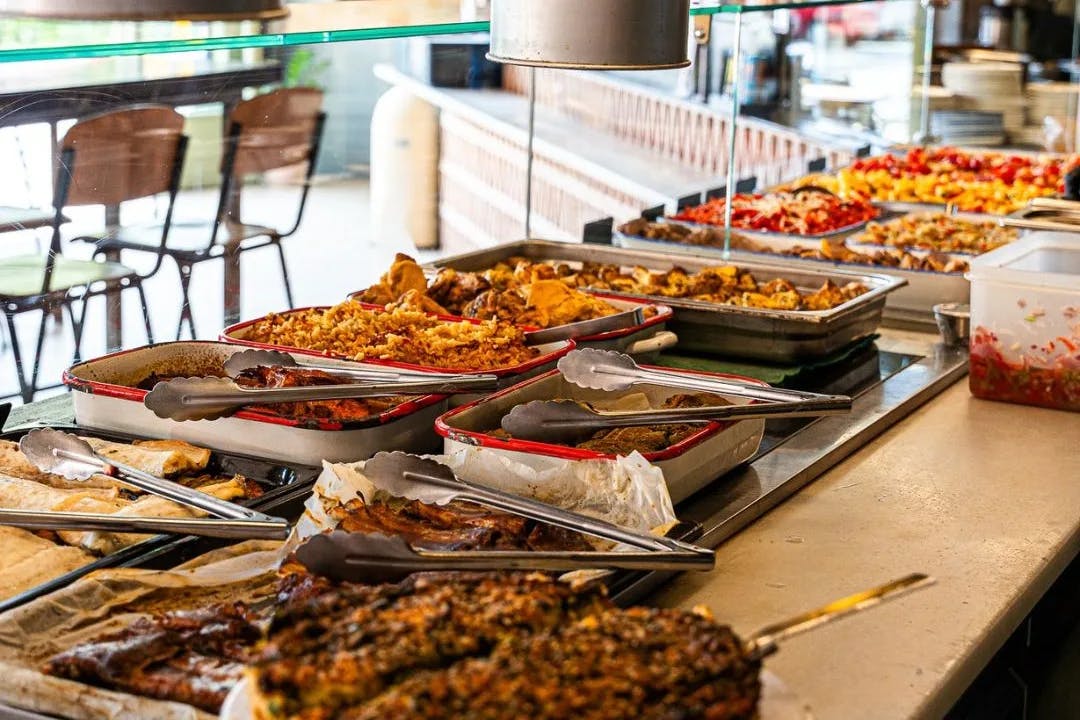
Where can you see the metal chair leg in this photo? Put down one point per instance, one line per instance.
(145, 313)
(77, 327)
(45, 312)
(25, 392)
(185, 307)
(284, 270)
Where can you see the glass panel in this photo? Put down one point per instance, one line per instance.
(712, 7)
(319, 22)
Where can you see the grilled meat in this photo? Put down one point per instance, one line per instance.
(348, 646)
(455, 526)
(348, 410)
(615, 665)
(193, 656)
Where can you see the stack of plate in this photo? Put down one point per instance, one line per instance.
(1052, 99)
(967, 127)
(990, 87)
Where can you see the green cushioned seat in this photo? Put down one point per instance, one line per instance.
(22, 276)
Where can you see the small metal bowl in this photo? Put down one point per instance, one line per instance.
(954, 323)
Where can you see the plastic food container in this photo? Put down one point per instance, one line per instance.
(1025, 320)
(688, 465)
(106, 398)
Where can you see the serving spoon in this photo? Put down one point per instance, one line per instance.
(570, 421)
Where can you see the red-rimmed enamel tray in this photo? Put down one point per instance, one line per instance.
(688, 465)
(549, 353)
(106, 398)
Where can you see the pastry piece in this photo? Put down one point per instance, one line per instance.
(29, 560)
(164, 458)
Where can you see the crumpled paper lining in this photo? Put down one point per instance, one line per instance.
(109, 600)
(627, 491)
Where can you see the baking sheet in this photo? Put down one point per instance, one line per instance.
(104, 399)
(108, 601)
(761, 334)
(282, 482)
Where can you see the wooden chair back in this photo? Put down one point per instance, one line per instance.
(274, 130)
(121, 155)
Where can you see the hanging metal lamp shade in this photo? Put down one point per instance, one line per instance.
(591, 34)
(145, 9)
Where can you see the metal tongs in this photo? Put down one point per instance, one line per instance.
(562, 421)
(375, 557)
(766, 640)
(587, 328)
(209, 398)
(71, 457)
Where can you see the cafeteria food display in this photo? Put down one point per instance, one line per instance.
(525, 298)
(937, 232)
(981, 182)
(358, 331)
(808, 213)
(886, 258)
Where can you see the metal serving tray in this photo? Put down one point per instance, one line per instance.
(283, 482)
(771, 335)
(911, 304)
(549, 352)
(106, 398)
(854, 243)
(688, 466)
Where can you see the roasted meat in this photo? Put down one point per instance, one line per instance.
(348, 410)
(614, 665)
(455, 526)
(194, 657)
(644, 439)
(348, 646)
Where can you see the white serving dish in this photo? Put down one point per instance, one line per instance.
(688, 466)
(106, 398)
(1025, 321)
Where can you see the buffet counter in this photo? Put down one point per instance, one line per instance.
(982, 496)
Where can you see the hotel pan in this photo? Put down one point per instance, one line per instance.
(688, 466)
(106, 398)
(283, 483)
(783, 336)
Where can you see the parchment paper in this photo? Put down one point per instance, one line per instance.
(110, 600)
(628, 491)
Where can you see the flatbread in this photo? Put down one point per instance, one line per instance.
(19, 494)
(163, 458)
(28, 560)
(150, 506)
(15, 464)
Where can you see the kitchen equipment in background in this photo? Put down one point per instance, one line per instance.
(759, 82)
(650, 34)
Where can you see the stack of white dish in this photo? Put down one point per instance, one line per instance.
(1053, 99)
(967, 127)
(989, 87)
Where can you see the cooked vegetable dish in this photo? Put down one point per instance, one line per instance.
(886, 257)
(986, 182)
(938, 232)
(790, 213)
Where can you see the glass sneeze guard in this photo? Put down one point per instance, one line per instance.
(24, 38)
